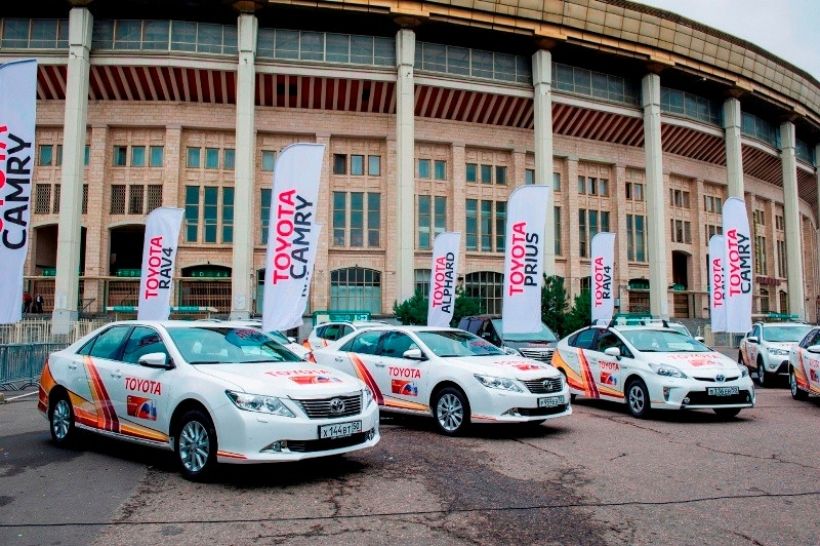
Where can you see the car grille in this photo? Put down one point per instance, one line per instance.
(545, 385)
(320, 408)
(539, 412)
(712, 379)
(308, 446)
(701, 398)
(544, 355)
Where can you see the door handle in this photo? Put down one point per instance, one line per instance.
(72, 366)
(116, 374)
(380, 364)
(338, 359)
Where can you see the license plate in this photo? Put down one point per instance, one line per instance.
(339, 430)
(551, 402)
(722, 391)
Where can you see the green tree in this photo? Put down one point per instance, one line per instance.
(414, 310)
(554, 304)
(581, 313)
(465, 307)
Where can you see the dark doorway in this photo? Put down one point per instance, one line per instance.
(126, 250)
(45, 250)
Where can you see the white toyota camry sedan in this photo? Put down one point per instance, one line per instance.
(453, 375)
(211, 392)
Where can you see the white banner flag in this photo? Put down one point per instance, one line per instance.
(524, 258)
(301, 303)
(159, 254)
(289, 260)
(738, 267)
(602, 265)
(18, 107)
(443, 278)
(717, 290)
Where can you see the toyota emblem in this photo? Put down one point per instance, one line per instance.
(547, 384)
(720, 378)
(337, 406)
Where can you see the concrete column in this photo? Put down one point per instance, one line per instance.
(817, 179)
(459, 205)
(405, 146)
(791, 213)
(80, 23)
(171, 168)
(570, 211)
(621, 256)
(243, 279)
(734, 155)
(542, 106)
(655, 196)
(97, 237)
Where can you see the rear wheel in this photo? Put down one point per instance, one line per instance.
(727, 413)
(762, 375)
(797, 392)
(61, 421)
(196, 446)
(452, 411)
(572, 395)
(637, 399)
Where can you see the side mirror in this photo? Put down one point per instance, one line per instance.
(752, 339)
(155, 360)
(700, 339)
(413, 354)
(613, 351)
(814, 349)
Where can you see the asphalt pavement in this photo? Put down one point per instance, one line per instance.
(597, 477)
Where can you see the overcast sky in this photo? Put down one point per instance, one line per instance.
(789, 29)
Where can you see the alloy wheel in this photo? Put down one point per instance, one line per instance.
(61, 419)
(450, 412)
(194, 446)
(637, 401)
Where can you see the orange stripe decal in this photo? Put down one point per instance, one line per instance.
(230, 455)
(590, 389)
(365, 376)
(103, 402)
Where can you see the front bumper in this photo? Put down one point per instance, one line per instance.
(248, 437)
(678, 394)
(498, 406)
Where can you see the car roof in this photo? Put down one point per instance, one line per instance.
(414, 328)
(785, 324)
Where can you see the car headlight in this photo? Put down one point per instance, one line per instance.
(744, 371)
(260, 404)
(511, 351)
(778, 352)
(667, 371)
(501, 383)
(368, 397)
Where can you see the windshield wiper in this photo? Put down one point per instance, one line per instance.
(194, 362)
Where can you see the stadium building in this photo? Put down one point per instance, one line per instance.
(432, 112)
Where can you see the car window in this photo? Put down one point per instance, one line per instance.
(486, 331)
(142, 341)
(226, 345)
(365, 343)
(783, 333)
(814, 339)
(456, 343)
(756, 332)
(344, 330)
(330, 332)
(584, 339)
(394, 344)
(108, 343)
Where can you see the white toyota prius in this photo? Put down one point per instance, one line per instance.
(212, 393)
(652, 367)
(453, 375)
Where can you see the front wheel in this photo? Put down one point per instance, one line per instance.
(452, 412)
(762, 376)
(637, 399)
(195, 445)
(727, 413)
(61, 421)
(797, 392)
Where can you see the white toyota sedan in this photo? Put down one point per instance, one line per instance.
(212, 393)
(453, 375)
(652, 367)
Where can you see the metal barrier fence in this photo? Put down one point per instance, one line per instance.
(38, 330)
(21, 364)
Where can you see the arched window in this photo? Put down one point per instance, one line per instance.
(422, 278)
(356, 289)
(784, 302)
(764, 300)
(488, 288)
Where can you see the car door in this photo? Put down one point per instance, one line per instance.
(808, 363)
(575, 358)
(403, 381)
(358, 357)
(105, 376)
(609, 371)
(752, 349)
(141, 396)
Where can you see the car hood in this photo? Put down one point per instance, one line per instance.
(782, 345)
(512, 366)
(696, 364)
(530, 344)
(291, 380)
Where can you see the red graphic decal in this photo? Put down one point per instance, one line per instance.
(143, 385)
(590, 389)
(141, 408)
(404, 388)
(314, 379)
(365, 376)
(291, 373)
(101, 398)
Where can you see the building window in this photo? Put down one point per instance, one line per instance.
(440, 169)
(357, 165)
(759, 217)
(228, 159)
(472, 224)
(42, 199)
(422, 281)
(211, 158)
(269, 159)
(432, 219)
(487, 287)
(157, 156)
(764, 300)
(634, 191)
(635, 238)
(590, 185)
(556, 181)
(779, 222)
(590, 222)
(486, 225)
(194, 158)
(529, 177)
(191, 213)
(86, 155)
(679, 198)
(118, 199)
(339, 218)
(56, 208)
(712, 230)
(471, 172)
(557, 234)
(209, 213)
(138, 156)
(784, 302)
(154, 199)
(120, 155)
(374, 218)
(423, 168)
(85, 199)
(480, 220)
(356, 288)
(712, 204)
(227, 215)
(374, 165)
(681, 231)
(760, 255)
(339, 164)
(500, 175)
(781, 258)
(486, 174)
(264, 215)
(136, 196)
(356, 218)
(350, 226)
(500, 225)
(46, 155)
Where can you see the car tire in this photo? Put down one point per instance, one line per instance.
(637, 399)
(727, 413)
(195, 446)
(797, 392)
(740, 358)
(61, 421)
(451, 411)
(763, 378)
(572, 395)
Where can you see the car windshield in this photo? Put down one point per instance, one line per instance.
(663, 341)
(785, 334)
(279, 337)
(453, 343)
(215, 345)
(678, 327)
(544, 334)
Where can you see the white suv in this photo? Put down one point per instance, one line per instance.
(765, 349)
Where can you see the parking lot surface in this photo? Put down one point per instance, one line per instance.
(597, 477)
